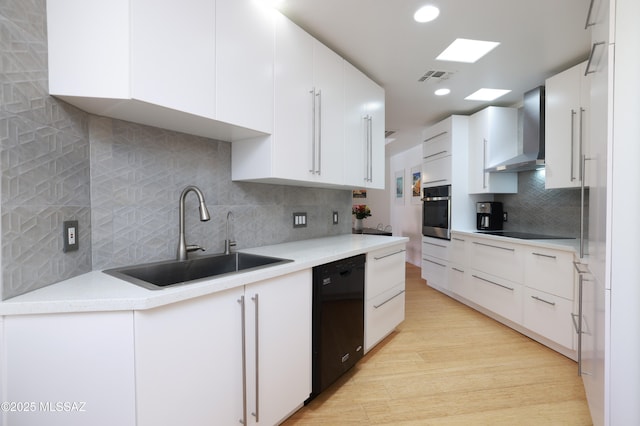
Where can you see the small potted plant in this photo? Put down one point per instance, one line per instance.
(360, 211)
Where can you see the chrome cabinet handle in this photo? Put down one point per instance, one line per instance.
(588, 70)
(458, 270)
(366, 142)
(437, 153)
(390, 254)
(434, 244)
(587, 23)
(484, 164)
(256, 414)
(319, 95)
(494, 283)
(458, 239)
(243, 420)
(544, 255)
(498, 247)
(388, 300)
(434, 181)
(543, 301)
(573, 114)
(435, 263)
(436, 136)
(313, 130)
(370, 149)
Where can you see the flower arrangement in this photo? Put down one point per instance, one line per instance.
(361, 211)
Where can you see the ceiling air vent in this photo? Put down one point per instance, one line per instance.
(435, 75)
(388, 133)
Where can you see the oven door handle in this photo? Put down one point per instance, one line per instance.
(435, 199)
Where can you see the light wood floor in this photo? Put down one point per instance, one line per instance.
(450, 365)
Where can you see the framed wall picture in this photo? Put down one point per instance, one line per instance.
(416, 184)
(399, 184)
(359, 193)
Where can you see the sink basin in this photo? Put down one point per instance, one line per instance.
(158, 275)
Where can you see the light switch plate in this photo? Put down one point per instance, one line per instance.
(69, 235)
(300, 220)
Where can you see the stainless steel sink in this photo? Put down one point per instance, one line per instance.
(158, 275)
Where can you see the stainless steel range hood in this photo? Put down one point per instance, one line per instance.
(532, 155)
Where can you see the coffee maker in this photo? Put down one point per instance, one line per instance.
(489, 216)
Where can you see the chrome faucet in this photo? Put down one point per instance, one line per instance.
(183, 248)
(227, 242)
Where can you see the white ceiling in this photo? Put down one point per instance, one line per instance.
(538, 39)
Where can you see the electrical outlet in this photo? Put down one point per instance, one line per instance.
(335, 217)
(69, 235)
(504, 216)
(300, 220)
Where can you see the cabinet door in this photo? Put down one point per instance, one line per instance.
(437, 172)
(174, 54)
(244, 64)
(383, 314)
(189, 361)
(294, 102)
(364, 130)
(328, 81)
(492, 138)
(278, 333)
(84, 359)
(566, 127)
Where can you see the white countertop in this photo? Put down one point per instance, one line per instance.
(97, 291)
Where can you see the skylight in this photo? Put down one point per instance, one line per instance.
(486, 94)
(465, 50)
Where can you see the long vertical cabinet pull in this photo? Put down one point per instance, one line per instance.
(484, 163)
(580, 288)
(584, 160)
(313, 130)
(573, 114)
(367, 142)
(256, 414)
(243, 420)
(319, 142)
(370, 133)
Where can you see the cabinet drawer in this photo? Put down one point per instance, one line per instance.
(497, 295)
(437, 172)
(434, 271)
(382, 315)
(458, 281)
(436, 146)
(549, 316)
(499, 259)
(435, 247)
(385, 269)
(458, 249)
(550, 271)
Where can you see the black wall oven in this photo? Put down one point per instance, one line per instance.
(436, 212)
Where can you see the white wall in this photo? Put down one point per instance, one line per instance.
(405, 213)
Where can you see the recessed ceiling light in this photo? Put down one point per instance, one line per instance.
(465, 50)
(486, 94)
(442, 92)
(426, 14)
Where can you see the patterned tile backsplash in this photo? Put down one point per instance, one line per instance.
(137, 176)
(539, 210)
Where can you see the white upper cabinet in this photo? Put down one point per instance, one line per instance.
(165, 63)
(566, 127)
(309, 122)
(364, 131)
(493, 137)
(328, 121)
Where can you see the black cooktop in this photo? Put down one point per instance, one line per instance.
(525, 235)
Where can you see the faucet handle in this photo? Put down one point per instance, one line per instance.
(194, 247)
(227, 246)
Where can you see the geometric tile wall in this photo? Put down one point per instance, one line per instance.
(44, 160)
(539, 210)
(121, 181)
(138, 173)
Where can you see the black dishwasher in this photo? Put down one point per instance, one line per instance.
(338, 320)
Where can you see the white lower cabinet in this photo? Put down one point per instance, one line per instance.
(384, 293)
(498, 295)
(549, 316)
(531, 287)
(239, 355)
(69, 369)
